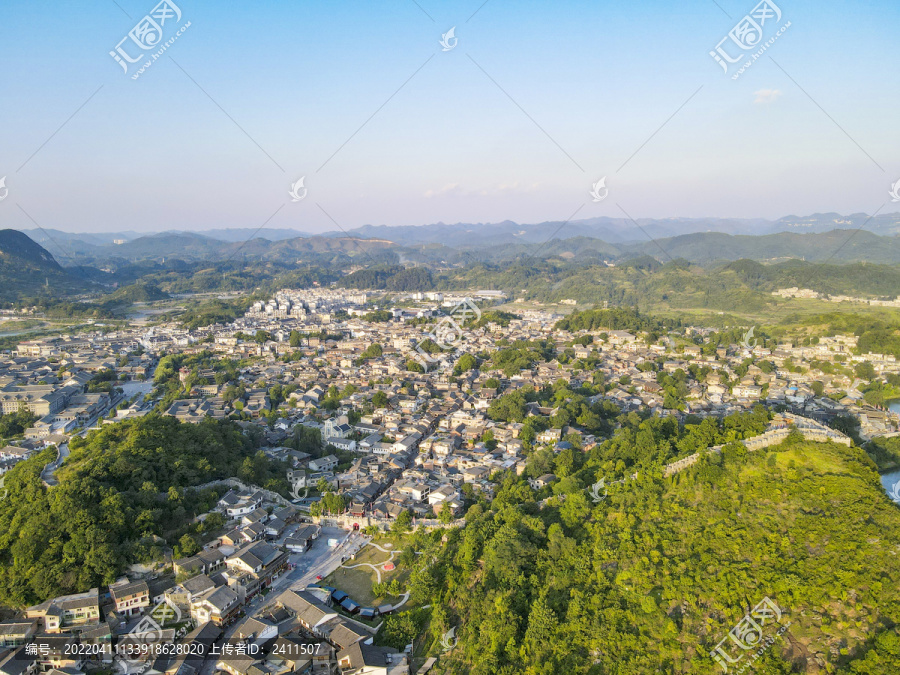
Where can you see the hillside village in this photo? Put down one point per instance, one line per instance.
(383, 439)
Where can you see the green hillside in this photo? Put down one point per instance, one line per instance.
(121, 499)
(28, 269)
(654, 576)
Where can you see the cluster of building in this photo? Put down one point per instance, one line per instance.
(54, 379)
(795, 292)
(393, 441)
(222, 596)
(416, 452)
(298, 631)
(422, 444)
(314, 304)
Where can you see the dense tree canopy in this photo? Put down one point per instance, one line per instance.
(612, 319)
(119, 492)
(15, 424)
(653, 576)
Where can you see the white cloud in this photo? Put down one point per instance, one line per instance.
(448, 189)
(766, 95)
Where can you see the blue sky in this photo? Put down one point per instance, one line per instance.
(293, 81)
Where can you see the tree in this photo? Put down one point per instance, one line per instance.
(121, 484)
(403, 523)
(560, 419)
(407, 558)
(865, 371)
(232, 393)
(333, 503)
(247, 472)
(440, 620)
(565, 462)
(575, 509)
(295, 339)
(262, 336)
(446, 513)
(846, 424)
(508, 408)
(542, 624)
(213, 522)
(15, 424)
(399, 630)
(380, 400)
(538, 589)
(671, 401)
(187, 546)
(422, 585)
(373, 351)
(465, 363)
(488, 439)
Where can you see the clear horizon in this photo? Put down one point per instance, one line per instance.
(260, 231)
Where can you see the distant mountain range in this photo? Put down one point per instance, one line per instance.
(26, 266)
(624, 230)
(64, 263)
(817, 237)
(614, 230)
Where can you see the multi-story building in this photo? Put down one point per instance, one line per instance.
(219, 605)
(66, 611)
(130, 598)
(253, 568)
(16, 632)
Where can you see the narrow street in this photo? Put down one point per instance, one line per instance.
(319, 560)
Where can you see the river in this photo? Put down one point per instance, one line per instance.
(24, 331)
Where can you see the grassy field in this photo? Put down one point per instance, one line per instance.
(357, 582)
(779, 312)
(783, 310)
(11, 325)
(810, 458)
(816, 458)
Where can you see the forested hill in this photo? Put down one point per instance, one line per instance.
(652, 578)
(26, 267)
(15, 245)
(121, 499)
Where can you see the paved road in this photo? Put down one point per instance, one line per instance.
(129, 388)
(319, 560)
(132, 387)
